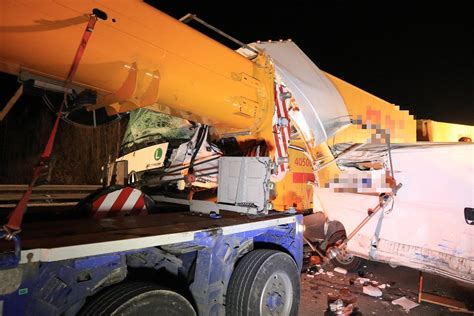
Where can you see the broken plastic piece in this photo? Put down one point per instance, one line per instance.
(340, 270)
(372, 291)
(363, 281)
(405, 303)
(336, 305)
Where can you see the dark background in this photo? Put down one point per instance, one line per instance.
(418, 55)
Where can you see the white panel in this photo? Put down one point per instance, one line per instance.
(242, 180)
(146, 158)
(63, 253)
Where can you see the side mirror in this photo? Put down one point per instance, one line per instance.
(469, 215)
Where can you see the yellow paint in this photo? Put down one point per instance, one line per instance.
(144, 58)
(432, 131)
(373, 110)
(291, 193)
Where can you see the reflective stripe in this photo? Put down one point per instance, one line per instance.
(109, 201)
(132, 200)
(117, 207)
(121, 202)
(139, 206)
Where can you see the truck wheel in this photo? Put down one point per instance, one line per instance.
(138, 298)
(265, 282)
(344, 260)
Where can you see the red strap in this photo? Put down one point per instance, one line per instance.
(16, 216)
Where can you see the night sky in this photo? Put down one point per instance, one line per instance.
(418, 57)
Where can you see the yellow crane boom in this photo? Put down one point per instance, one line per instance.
(138, 57)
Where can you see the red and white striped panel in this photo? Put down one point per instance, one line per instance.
(125, 201)
(281, 134)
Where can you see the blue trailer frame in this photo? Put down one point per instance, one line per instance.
(58, 281)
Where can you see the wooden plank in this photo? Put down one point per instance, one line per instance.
(11, 102)
(443, 301)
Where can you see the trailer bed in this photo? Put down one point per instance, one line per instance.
(67, 239)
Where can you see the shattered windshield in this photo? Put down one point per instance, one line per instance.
(146, 128)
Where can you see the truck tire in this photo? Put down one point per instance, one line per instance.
(265, 282)
(138, 298)
(348, 261)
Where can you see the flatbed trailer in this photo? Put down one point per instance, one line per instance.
(66, 267)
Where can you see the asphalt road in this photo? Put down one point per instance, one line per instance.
(404, 282)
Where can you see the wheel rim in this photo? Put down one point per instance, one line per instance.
(345, 258)
(277, 295)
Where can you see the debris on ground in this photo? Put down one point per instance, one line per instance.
(405, 303)
(322, 279)
(338, 308)
(340, 270)
(362, 281)
(342, 303)
(372, 291)
(313, 269)
(315, 260)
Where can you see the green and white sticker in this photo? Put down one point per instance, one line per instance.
(158, 153)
